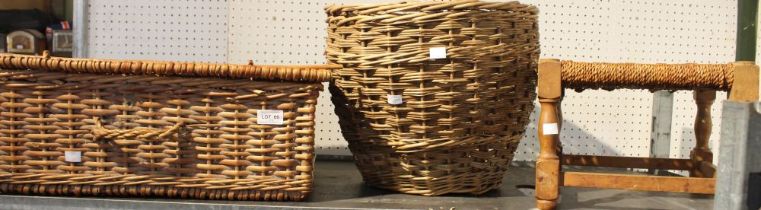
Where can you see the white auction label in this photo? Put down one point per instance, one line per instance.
(269, 117)
(550, 129)
(437, 53)
(19, 47)
(395, 99)
(73, 156)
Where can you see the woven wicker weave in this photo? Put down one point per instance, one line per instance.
(461, 117)
(152, 135)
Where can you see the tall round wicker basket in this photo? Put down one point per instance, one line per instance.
(433, 97)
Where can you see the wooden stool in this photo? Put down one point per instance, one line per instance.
(740, 78)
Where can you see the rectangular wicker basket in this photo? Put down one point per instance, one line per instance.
(156, 129)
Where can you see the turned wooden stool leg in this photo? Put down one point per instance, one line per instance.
(701, 155)
(559, 113)
(548, 163)
(548, 127)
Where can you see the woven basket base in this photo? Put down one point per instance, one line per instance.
(465, 168)
(478, 170)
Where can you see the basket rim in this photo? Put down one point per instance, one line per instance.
(294, 73)
(427, 6)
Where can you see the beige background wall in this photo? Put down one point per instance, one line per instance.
(293, 31)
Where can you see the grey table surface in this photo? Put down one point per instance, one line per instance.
(338, 185)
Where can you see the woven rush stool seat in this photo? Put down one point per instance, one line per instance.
(740, 79)
(85, 127)
(433, 97)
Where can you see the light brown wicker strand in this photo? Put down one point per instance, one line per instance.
(70, 123)
(586, 75)
(182, 155)
(98, 163)
(287, 162)
(14, 133)
(40, 144)
(208, 137)
(305, 137)
(120, 122)
(234, 129)
(263, 148)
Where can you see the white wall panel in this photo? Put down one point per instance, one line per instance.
(177, 30)
(293, 31)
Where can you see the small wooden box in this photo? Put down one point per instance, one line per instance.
(63, 43)
(27, 41)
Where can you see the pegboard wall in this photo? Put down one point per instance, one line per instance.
(293, 31)
(177, 30)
